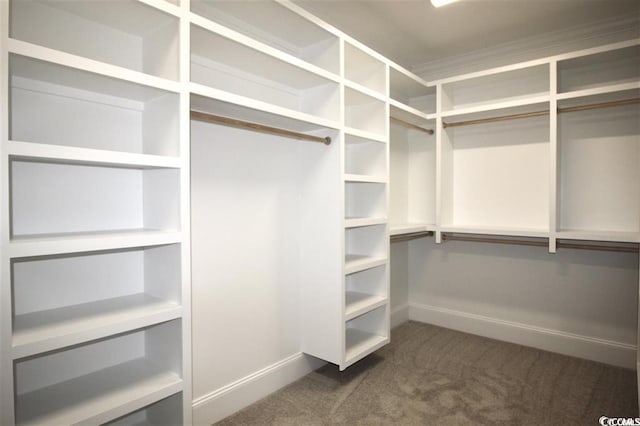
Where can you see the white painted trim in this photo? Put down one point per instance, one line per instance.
(399, 315)
(591, 348)
(235, 396)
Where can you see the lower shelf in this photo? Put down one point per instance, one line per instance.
(355, 263)
(360, 303)
(360, 344)
(55, 328)
(98, 397)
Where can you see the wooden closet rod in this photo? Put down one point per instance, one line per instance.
(410, 125)
(409, 237)
(619, 249)
(211, 118)
(541, 113)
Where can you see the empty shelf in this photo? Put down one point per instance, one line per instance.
(360, 344)
(356, 262)
(360, 303)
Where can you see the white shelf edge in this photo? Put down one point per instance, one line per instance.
(509, 232)
(496, 106)
(80, 323)
(363, 90)
(408, 228)
(260, 47)
(57, 57)
(359, 344)
(362, 304)
(358, 222)
(613, 88)
(365, 134)
(221, 95)
(606, 236)
(43, 245)
(140, 384)
(410, 75)
(357, 263)
(163, 6)
(349, 177)
(89, 156)
(409, 110)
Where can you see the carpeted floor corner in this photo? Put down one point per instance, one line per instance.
(434, 376)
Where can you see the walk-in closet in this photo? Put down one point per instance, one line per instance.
(203, 201)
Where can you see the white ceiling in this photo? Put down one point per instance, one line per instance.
(413, 32)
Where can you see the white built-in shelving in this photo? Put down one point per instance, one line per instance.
(94, 263)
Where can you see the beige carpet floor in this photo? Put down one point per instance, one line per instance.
(434, 376)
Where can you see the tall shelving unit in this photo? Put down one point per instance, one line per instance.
(95, 271)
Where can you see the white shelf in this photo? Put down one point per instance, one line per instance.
(98, 397)
(355, 222)
(356, 263)
(364, 70)
(96, 157)
(586, 235)
(365, 134)
(357, 303)
(505, 107)
(51, 244)
(360, 344)
(364, 178)
(410, 114)
(614, 88)
(511, 232)
(56, 328)
(410, 228)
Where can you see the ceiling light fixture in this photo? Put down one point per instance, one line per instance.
(438, 3)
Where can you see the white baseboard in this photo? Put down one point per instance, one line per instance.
(225, 401)
(606, 351)
(399, 315)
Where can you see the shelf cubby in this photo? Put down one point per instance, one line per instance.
(365, 290)
(273, 24)
(56, 105)
(496, 175)
(366, 242)
(102, 380)
(608, 69)
(519, 85)
(128, 34)
(363, 69)
(69, 299)
(365, 334)
(58, 198)
(232, 67)
(408, 90)
(165, 412)
(365, 157)
(365, 113)
(412, 181)
(365, 200)
(599, 153)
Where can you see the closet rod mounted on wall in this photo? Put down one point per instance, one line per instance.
(410, 236)
(541, 113)
(410, 125)
(211, 118)
(619, 249)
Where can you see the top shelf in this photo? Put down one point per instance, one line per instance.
(415, 93)
(127, 34)
(363, 69)
(273, 24)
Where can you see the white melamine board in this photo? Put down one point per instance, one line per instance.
(59, 198)
(249, 262)
(275, 25)
(100, 396)
(166, 412)
(364, 221)
(371, 281)
(364, 69)
(365, 113)
(47, 330)
(357, 304)
(365, 157)
(356, 262)
(367, 240)
(411, 115)
(365, 200)
(365, 334)
(126, 33)
(251, 73)
(600, 170)
(601, 69)
(411, 91)
(528, 288)
(520, 84)
(56, 105)
(498, 174)
(413, 177)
